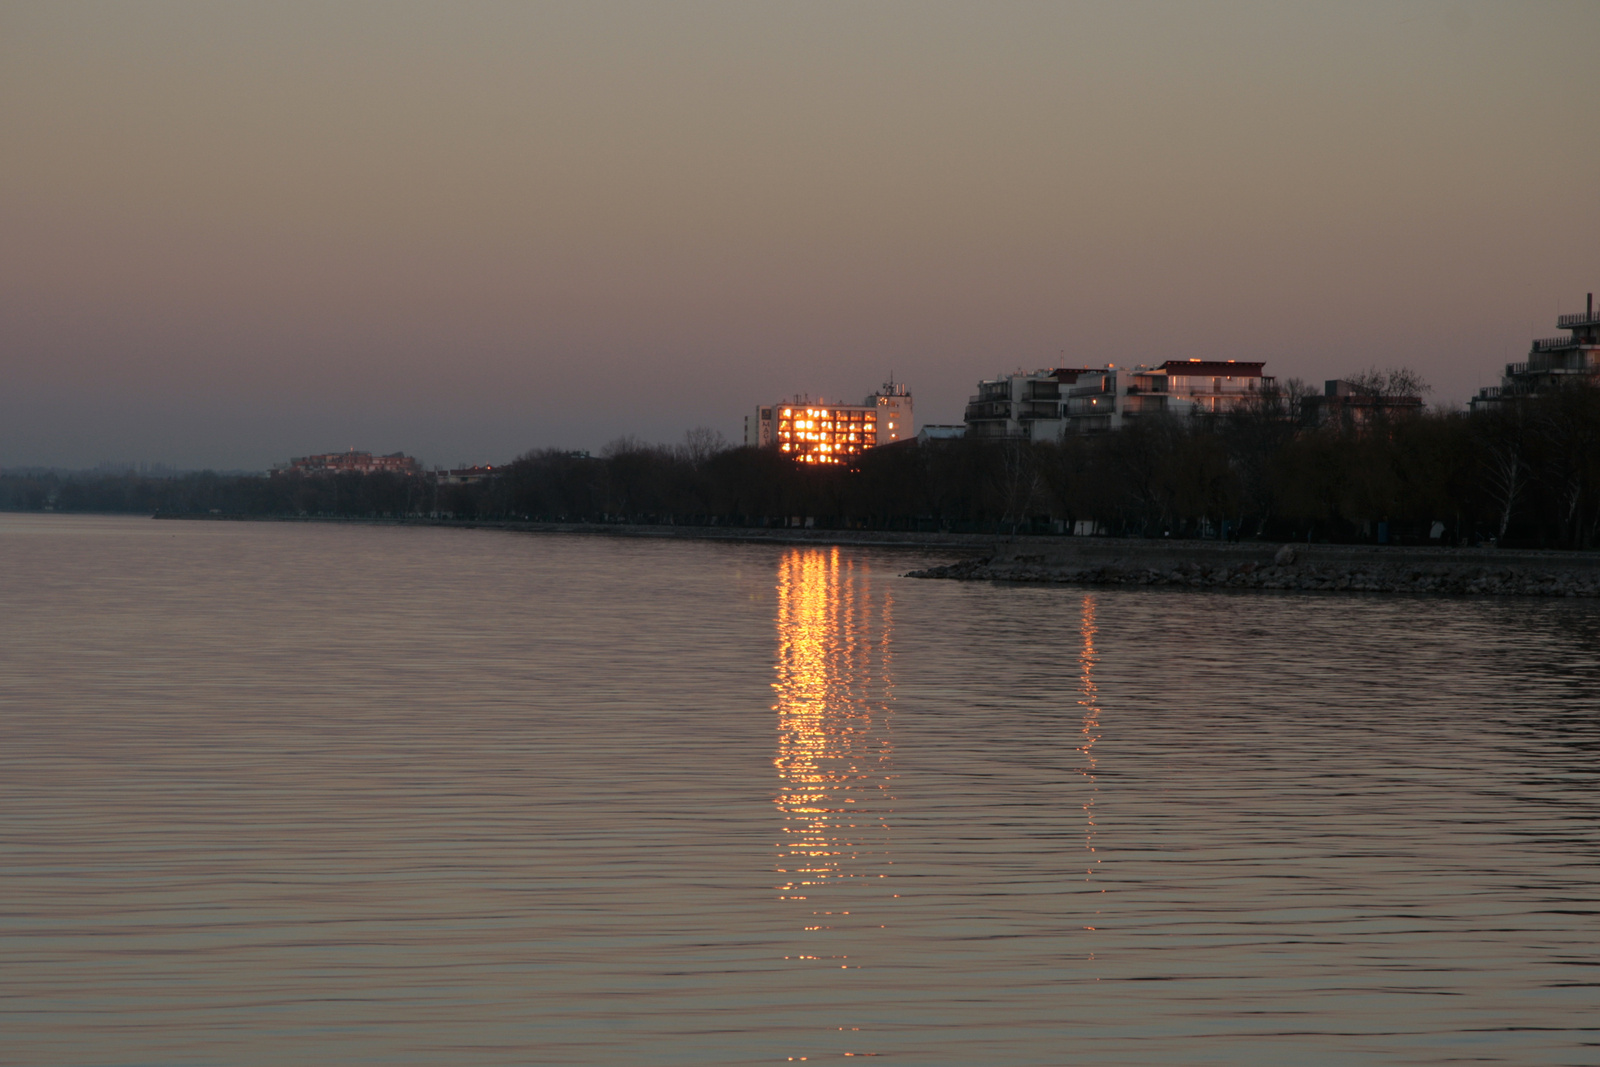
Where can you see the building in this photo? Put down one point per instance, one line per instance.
(1551, 361)
(461, 475)
(815, 431)
(1347, 404)
(1045, 404)
(895, 422)
(1027, 406)
(353, 462)
(1197, 388)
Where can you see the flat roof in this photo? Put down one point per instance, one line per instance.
(1213, 368)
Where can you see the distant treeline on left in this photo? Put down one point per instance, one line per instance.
(206, 492)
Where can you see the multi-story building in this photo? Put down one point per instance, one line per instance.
(1349, 404)
(1551, 361)
(815, 431)
(353, 462)
(1045, 404)
(1022, 405)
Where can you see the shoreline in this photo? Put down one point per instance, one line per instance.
(1096, 561)
(1289, 567)
(734, 534)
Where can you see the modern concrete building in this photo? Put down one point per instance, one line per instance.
(1551, 361)
(815, 431)
(1045, 404)
(1024, 405)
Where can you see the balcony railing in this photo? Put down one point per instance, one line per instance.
(1582, 318)
(1516, 368)
(1219, 391)
(1550, 344)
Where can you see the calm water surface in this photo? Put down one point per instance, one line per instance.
(297, 793)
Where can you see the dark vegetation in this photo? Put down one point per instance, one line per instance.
(1526, 475)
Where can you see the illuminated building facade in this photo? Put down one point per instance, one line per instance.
(814, 431)
(824, 433)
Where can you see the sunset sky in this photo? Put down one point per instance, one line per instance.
(232, 233)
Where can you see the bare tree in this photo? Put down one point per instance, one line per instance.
(624, 445)
(1567, 424)
(1391, 382)
(700, 444)
(1503, 435)
(1020, 482)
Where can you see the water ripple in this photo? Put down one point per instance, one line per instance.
(313, 793)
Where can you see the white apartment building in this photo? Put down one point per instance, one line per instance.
(1046, 404)
(1026, 406)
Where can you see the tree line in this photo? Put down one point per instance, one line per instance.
(1526, 473)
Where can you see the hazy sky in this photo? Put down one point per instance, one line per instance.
(231, 233)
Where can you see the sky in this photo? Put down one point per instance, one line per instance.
(235, 233)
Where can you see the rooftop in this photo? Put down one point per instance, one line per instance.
(1212, 368)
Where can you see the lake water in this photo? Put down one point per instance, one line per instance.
(283, 793)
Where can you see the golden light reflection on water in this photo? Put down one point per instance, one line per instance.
(1089, 701)
(835, 743)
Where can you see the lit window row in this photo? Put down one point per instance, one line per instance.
(825, 434)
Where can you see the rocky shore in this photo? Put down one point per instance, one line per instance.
(1307, 568)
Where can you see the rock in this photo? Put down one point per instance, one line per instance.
(1285, 556)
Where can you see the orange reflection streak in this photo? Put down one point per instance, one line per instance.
(835, 749)
(1089, 700)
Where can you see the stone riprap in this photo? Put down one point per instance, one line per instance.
(1320, 568)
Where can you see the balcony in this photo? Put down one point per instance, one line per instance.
(1037, 410)
(1582, 318)
(1091, 423)
(1513, 369)
(1218, 390)
(988, 409)
(1550, 344)
(1091, 405)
